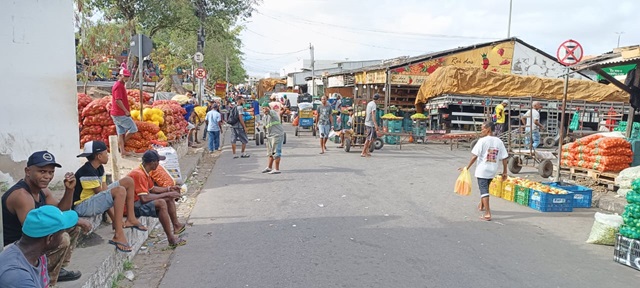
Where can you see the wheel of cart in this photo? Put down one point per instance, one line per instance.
(538, 159)
(358, 137)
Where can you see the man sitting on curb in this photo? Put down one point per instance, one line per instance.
(24, 263)
(31, 193)
(92, 196)
(153, 201)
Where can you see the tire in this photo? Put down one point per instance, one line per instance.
(347, 144)
(314, 131)
(545, 169)
(549, 142)
(515, 165)
(296, 133)
(378, 144)
(372, 147)
(473, 143)
(284, 141)
(257, 137)
(262, 136)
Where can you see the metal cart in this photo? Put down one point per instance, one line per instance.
(359, 136)
(306, 122)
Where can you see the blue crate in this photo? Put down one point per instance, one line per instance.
(581, 195)
(306, 122)
(546, 202)
(391, 140)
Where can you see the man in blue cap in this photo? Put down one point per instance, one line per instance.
(31, 193)
(24, 263)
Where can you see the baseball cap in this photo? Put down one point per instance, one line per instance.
(93, 147)
(505, 101)
(47, 220)
(125, 73)
(376, 97)
(264, 104)
(152, 156)
(41, 159)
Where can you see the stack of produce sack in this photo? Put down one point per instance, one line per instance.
(599, 153)
(96, 122)
(631, 215)
(154, 116)
(175, 126)
(141, 141)
(135, 94)
(83, 101)
(625, 178)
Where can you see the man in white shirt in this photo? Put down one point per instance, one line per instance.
(533, 128)
(488, 151)
(371, 126)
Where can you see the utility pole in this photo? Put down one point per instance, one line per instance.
(201, 13)
(313, 72)
(226, 77)
(619, 34)
(509, 26)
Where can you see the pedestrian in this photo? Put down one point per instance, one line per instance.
(324, 122)
(24, 263)
(214, 126)
(338, 104)
(158, 202)
(370, 125)
(120, 112)
(255, 104)
(489, 151)
(275, 137)
(531, 120)
(500, 117)
(347, 128)
(92, 196)
(189, 108)
(31, 193)
(238, 131)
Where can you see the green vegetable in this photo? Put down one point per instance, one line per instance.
(630, 232)
(633, 197)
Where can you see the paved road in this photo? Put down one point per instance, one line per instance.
(339, 220)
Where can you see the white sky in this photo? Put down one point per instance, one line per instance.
(383, 29)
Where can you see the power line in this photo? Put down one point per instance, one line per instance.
(286, 53)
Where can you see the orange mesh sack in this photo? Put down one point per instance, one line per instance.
(162, 177)
(610, 142)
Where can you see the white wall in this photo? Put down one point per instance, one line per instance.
(39, 110)
(529, 62)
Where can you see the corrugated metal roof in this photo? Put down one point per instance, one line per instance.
(605, 60)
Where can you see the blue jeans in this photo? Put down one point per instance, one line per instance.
(536, 139)
(214, 140)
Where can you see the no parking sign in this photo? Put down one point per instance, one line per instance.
(570, 52)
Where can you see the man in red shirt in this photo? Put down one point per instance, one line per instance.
(120, 112)
(154, 201)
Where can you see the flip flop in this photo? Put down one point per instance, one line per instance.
(125, 247)
(181, 242)
(181, 230)
(485, 218)
(236, 157)
(245, 156)
(137, 227)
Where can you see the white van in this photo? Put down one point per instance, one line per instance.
(293, 98)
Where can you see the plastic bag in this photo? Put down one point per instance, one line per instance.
(332, 134)
(604, 229)
(463, 184)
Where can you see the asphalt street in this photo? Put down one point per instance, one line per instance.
(392, 220)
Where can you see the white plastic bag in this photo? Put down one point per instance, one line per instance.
(604, 229)
(332, 134)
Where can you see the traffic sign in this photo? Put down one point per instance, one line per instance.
(570, 52)
(200, 73)
(147, 45)
(198, 57)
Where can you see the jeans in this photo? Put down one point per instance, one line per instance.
(214, 140)
(536, 138)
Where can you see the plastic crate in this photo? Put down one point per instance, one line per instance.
(627, 252)
(546, 202)
(581, 195)
(394, 126)
(419, 131)
(391, 140)
(306, 114)
(508, 191)
(495, 188)
(522, 195)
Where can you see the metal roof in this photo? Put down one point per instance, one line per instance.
(605, 60)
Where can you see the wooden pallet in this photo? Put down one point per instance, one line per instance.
(607, 179)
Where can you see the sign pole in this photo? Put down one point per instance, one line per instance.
(140, 72)
(562, 128)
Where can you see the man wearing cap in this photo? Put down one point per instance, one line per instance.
(370, 125)
(120, 112)
(31, 193)
(275, 137)
(92, 196)
(214, 124)
(154, 201)
(500, 117)
(24, 263)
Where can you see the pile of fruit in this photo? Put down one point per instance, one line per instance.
(390, 116)
(175, 126)
(418, 116)
(598, 153)
(535, 185)
(631, 215)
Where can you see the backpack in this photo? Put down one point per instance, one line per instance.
(233, 116)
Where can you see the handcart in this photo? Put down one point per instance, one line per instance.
(359, 136)
(306, 122)
(257, 135)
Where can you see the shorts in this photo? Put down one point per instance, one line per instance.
(145, 209)
(483, 184)
(324, 130)
(96, 204)
(371, 133)
(274, 146)
(124, 124)
(238, 134)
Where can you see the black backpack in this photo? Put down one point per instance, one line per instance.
(233, 116)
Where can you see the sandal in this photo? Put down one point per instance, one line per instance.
(181, 230)
(122, 247)
(181, 242)
(245, 156)
(137, 227)
(484, 218)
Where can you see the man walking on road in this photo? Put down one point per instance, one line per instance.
(275, 137)
(239, 129)
(371, 125)
(533, 128)
(323, 118)
(488, 152)
(120, 112)
(214, 126)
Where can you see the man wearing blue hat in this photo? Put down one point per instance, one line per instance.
(24, 263)
(31, 193)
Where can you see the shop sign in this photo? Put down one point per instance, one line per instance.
(376, 77)
(335, 81)
(361, 78)
(411, 80)
(618, 72)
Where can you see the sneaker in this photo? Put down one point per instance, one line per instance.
(236, 156)
(266, 170)
(245, 156)
(66, 275)
(275, 172)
